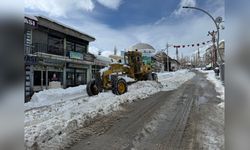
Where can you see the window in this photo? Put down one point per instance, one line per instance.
(55, 45)
(80, 76)
(72, 46)
(76, 77)
(55, 76)
(37, 78)
(70, 77)
(80, 48)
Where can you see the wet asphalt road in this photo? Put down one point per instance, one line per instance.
(157, 122)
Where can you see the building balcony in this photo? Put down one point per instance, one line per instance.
(42, 48)
(51, 52)
(48, 49)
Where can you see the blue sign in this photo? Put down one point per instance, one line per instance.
(75, 55)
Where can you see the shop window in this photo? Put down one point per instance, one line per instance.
(81, 76)
(70, 77)
(76, 77)
(37, 78)
(55, 76)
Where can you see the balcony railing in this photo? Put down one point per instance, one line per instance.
(49, 49)
(45, 48)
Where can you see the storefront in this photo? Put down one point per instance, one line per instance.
(45, 72)
(55, 55)
(76, 74)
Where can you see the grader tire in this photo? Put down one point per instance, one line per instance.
(149, 76)
(92, 89)
(155, 77)
(119, 86)
(98, 82)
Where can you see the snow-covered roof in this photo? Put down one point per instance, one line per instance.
(143, 47)
(174, 60)
(31, 17)
(116, 57)
(103, 58)
(65, 26)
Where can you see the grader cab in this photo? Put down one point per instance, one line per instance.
(111, 77)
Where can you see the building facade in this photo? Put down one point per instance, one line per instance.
(54, 52)
(208, 56)
(161, 62)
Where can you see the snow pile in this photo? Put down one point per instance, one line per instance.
(218, 84)
(55, 113)
(52, 96)
(219, 87)
(127, 79)
(211, 131)
(172, 80)
(222, 105)
(103, 70)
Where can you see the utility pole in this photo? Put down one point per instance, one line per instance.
(198, 57)
(99, 52)
(214, 52)
(177, 54)
(167, 46)
(115, 50)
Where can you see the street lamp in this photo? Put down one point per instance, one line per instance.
(216, 21)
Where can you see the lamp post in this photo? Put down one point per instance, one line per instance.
(216, 21)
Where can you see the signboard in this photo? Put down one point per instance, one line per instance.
(75, 55)
(71, 65)
(30, 22)
(30, 60)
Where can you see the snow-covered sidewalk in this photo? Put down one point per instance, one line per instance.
(219, 87)
(53, 114)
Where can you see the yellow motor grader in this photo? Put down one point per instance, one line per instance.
(111, 77)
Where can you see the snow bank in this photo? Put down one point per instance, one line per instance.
(222, 105)
(172, 80)
(56, 113)
(219, 87)
(52, 96)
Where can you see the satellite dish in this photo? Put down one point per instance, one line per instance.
(219, 20)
